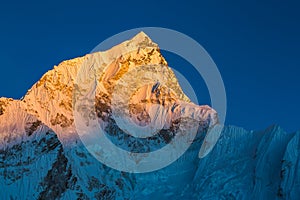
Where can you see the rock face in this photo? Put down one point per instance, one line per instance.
(42, 157)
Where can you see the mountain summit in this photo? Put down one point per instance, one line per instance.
(42, 156)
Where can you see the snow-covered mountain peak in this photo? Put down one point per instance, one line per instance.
(141, 36)
(41, 156)
(51, 98)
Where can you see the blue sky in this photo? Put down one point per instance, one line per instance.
(255, 45)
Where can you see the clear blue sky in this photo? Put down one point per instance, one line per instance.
(255, 44)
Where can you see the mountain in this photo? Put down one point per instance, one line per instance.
(42, 155)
